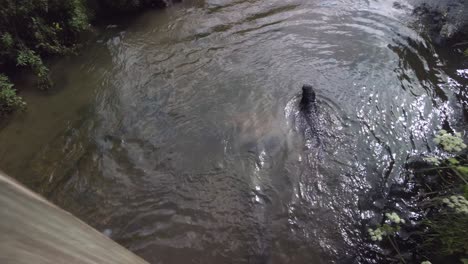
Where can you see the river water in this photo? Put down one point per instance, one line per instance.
(178, 133)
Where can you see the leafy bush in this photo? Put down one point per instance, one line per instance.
(30, 59)
(33, 29)
(9, 101)
(78, 16)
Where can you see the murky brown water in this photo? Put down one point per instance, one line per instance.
(179, 133)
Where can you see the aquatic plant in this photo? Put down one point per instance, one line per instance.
(393, 217)
(387, 229)
(441, 230)
(446, 234)
(449, 142)
(457, 203)
(432, 160)
(376, 234)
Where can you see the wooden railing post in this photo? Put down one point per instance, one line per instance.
(34, 231)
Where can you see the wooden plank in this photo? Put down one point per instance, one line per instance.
(34, 231)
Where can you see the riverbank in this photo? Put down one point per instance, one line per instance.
(34, 31)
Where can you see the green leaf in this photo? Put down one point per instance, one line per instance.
(453, 161)
(463, 170)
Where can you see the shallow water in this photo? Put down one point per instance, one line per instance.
(178, 133)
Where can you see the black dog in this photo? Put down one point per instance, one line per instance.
(308, 106)
(308, 96)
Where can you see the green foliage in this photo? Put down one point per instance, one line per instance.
(394, 218)
(33, 29)
(30, 59)
(447, 234)
(432, 160)
(78, 16)
(466, 52)
(27, 58)
(463, 170)
(457, 203)
(445, 229)
(381, 231)
(7, 40)
(449, 142)
(387, 229)
(9, 101)
(442, 230)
